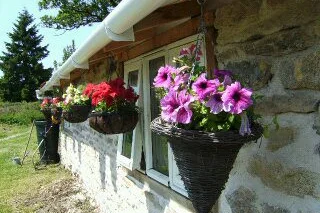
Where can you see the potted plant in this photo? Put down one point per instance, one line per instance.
(115, 110)
(51, 109)
(56, 110)
(76, 107)
(45, 107)
(206, 122)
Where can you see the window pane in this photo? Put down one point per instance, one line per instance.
(133, 78)
(127, 144)
(159, 143)
(128, 137)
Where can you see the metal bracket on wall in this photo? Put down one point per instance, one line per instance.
(127, 35)
(81, 66)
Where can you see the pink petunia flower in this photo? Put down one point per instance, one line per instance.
(204, 87)
(215, 103)
(190, 53)
(175, 107)
(236, 99)
(179, 80)
(164, 77)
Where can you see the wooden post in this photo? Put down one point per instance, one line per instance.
(210, 54)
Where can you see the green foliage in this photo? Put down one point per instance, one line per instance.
(206, 121)
(21, 64)
(22, 113)
(77, 13)
(67, 51)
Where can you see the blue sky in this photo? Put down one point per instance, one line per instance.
(57, 40)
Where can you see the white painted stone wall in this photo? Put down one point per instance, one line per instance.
(93, 158)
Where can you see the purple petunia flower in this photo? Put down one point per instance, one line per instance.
(236, 99)
(221, 73)
(175, 107)
(180, 79)
(227, 80)
(163, 78)
(215, 103)
(245, 125)
(169, 104)
(204, 87)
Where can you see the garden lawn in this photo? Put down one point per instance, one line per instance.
(20, 183)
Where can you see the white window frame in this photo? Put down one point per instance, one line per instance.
(142, 63)
(134, 161)
(147, 117)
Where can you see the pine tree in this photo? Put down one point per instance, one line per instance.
(23, 71)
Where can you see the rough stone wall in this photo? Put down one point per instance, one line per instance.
(274, 47)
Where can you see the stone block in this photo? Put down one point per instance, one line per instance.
(242, 200)
(252, 73)
(250, 20)
(302, 72)
(304, 101)
(316, 124)
(294, 182)
(281, 43)
(280, 138)
(273, 209)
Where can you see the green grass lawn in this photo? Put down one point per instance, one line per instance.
(7, 130)
(20, 182)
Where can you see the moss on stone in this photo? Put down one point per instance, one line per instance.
(296, 182)
(280, 138)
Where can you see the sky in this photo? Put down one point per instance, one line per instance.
(57, 40)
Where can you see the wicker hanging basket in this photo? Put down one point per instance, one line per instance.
(77, 113)
(113, 123)
(56, 113)
(47, 113)
(204, 159)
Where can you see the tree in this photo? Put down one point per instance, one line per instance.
(21, 63)
(67, 52)
(75, 13)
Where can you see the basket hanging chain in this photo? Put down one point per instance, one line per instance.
(201, 34)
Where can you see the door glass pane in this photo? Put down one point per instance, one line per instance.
(128, 137)
(159, 143)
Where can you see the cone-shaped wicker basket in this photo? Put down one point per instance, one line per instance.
(204, 159)
(113, 123)
(77, 113)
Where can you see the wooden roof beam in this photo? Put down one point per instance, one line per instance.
(168, 14)
(181, 31)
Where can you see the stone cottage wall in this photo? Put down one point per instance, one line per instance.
(274, 47)
(93, 158)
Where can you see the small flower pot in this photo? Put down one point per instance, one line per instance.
(204, 159)
(113, 123)
(77, 113)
